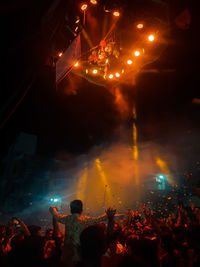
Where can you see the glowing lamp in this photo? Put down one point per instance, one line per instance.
(140, 26)
(151, 38)
(60, 54)
(137, 53)
(86, 71)
(110, 76)
(117, 74)
(84, 7)
(129, 62)
(76, 64)
(116, 13)
(55, 200)
(122, 71)
(94, 71)
(94, 2)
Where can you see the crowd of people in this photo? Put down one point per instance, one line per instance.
(140, 238)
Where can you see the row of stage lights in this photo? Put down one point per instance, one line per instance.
(129, 62)
(84, 7)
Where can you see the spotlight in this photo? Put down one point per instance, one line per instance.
(117, 74)
(151, 38)
(116, 13)
(76, 64)
(137, 53)
(84, 7)
(110, 76)
(140, 26)
(60, 54)
(94, 71)
(129, 62)
(94, 2)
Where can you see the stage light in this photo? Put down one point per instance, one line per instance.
(94, 71)
(122, 71)
(140, 26)
(117, 74)
(77, 21)
(94, 2)
(110, 76)
(151, 38)
(76, 64)
(137, 53)
(86, 71)
(84, 7)
(129, 62)
(55, 200)
(116, 13)
(60, 54)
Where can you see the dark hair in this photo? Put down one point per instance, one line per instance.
(76, 206)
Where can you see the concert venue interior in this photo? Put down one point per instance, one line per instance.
(99, 102)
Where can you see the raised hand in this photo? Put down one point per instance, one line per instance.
(110, 212)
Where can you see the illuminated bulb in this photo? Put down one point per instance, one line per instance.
(106, 60)
(77, 21)
(116, 14)
(94, 71)
(94, 2)
(137, 53)
(84, 7)
(60, 54)
(151, 38)
(110, 76)
(76, 64)
(76, 29)
(140, 26)
(117, 74)
(129, 62)
(86, 71)
(122, 71)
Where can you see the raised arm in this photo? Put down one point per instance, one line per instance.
(58, 217)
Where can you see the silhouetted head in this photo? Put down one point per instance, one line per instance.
(76, 206)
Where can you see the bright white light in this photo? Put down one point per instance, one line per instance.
(84, 7)
(95, 71)
(55, 200)
(140, 26)
(110, 76)
(76, 64)
(116, 13)
(51, 199)
(60, 54)
(137, 53)
(161, 176)
(117, 74)
(129, 62)
(94, 2)
(151, 38)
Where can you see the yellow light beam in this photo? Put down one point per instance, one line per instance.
(135, 147)
(164, 168)
(81, 188)
(85, 35)
(105, 182)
